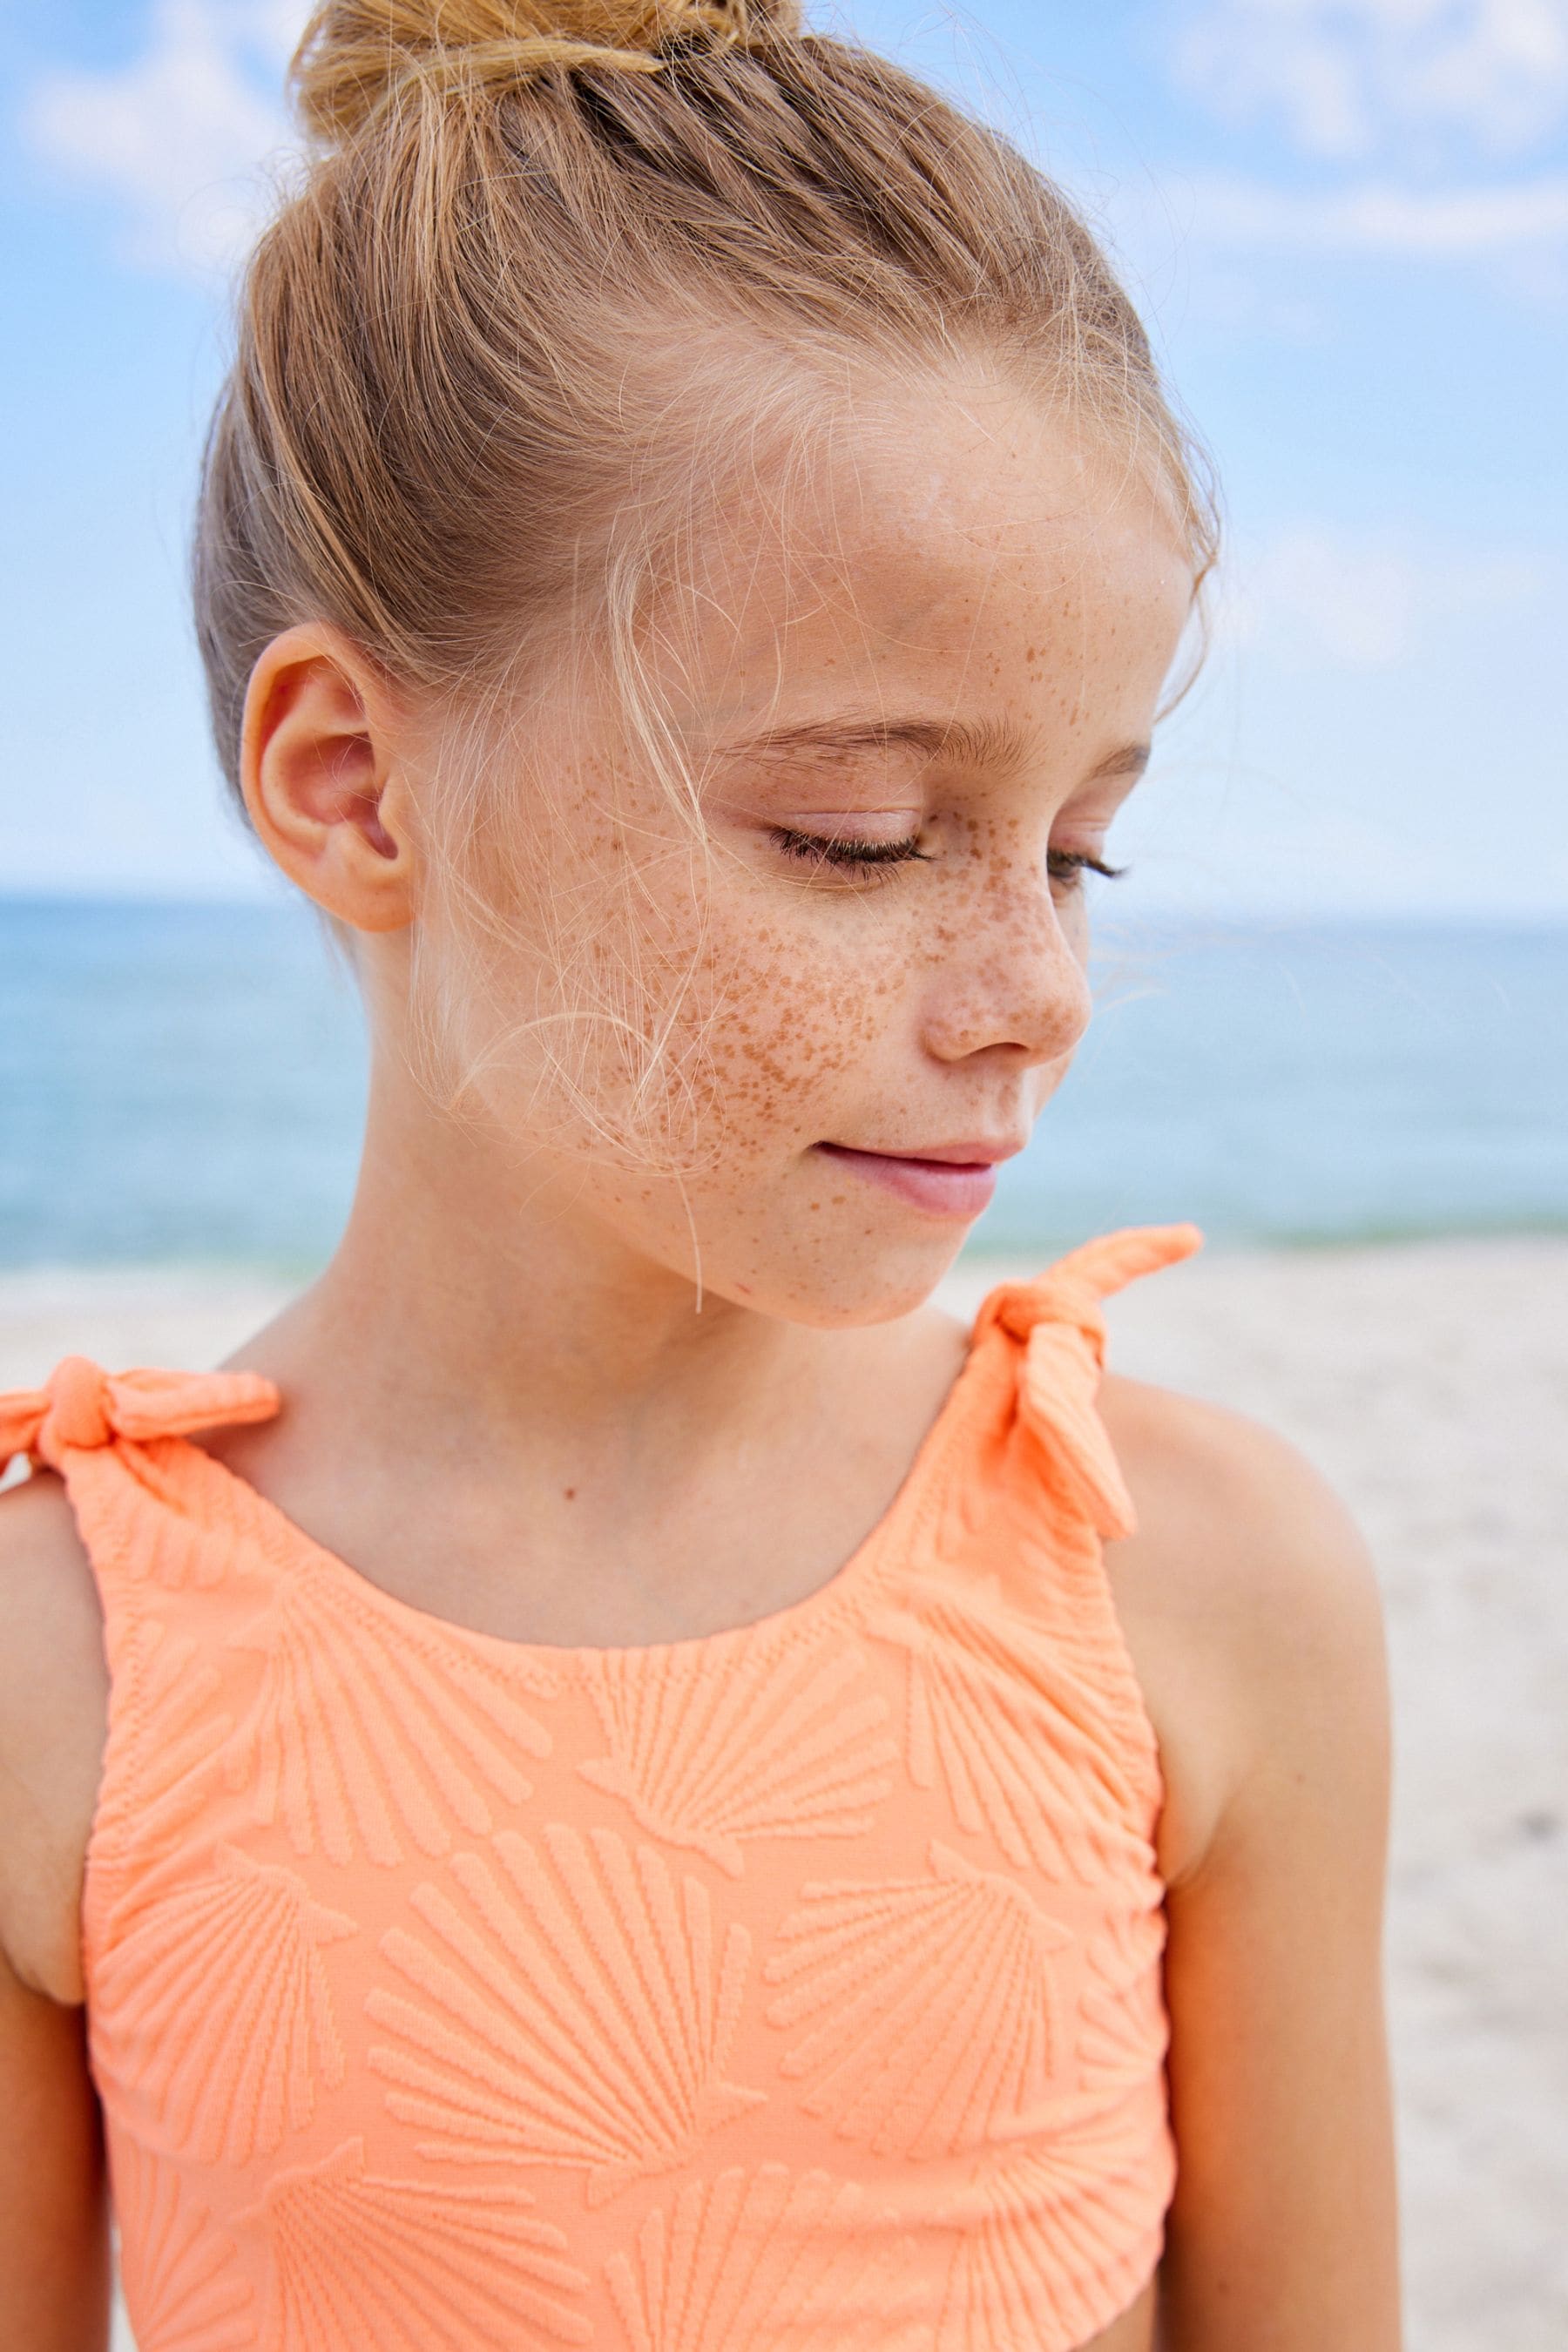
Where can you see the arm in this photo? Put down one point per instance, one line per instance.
(1262, 1632)
(54, 2222)
(55, 2269)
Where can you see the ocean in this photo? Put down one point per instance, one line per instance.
(187, 1082)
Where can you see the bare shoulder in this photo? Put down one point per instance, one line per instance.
(1250, 1602)
(54, 1699)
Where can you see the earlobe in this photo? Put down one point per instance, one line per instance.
(319, 774)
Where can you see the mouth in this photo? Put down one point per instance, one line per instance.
(946, 1179)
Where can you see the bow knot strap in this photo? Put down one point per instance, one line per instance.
(81, 1406)
(1058, 1324)
(1057, 1393)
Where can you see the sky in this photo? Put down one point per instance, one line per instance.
(1344, 220)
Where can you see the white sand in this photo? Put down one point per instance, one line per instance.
(1430, 1383)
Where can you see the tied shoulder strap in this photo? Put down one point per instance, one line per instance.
(81, 1406)
(1057, 1319)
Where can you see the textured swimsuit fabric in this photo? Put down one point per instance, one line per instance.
(791, 1989)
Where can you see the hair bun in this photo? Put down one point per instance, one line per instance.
(355, 53)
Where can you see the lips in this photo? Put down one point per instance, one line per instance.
(947, 1179)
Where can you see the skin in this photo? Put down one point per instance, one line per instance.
(699, 1381)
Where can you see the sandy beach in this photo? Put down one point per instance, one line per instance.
(1429, 1381)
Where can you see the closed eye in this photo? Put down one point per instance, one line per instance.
(1069, 865)
(823, 849)
(818, 849)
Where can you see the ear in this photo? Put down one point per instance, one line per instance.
(320, 780)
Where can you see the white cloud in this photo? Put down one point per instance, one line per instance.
(1352, 78)
(1379, 216)
(1365, 599)
(1234, 242)
(180, 135)
(1408, 108)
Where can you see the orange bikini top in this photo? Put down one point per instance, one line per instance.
(792, 1989)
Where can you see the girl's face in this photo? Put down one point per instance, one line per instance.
(914, 692)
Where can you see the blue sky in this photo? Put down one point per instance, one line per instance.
(1346, 222)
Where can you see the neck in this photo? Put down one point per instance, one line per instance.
(480, 1358)
(471, 1309)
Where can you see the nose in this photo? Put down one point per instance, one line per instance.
(1009, 977)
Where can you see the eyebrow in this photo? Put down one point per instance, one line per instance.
(978, 743)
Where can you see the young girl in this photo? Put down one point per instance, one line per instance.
(612, 1777)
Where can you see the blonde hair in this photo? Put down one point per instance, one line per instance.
(527, 229)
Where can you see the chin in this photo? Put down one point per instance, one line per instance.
(846, 1286)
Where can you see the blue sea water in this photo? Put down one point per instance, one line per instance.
(187, 1082)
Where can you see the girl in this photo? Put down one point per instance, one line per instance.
(612, 1777)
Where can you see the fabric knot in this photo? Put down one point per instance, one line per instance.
(1058, 1295)
(81, 1407)
(1058, 1321)
(1073, 1288)
(78, 1392)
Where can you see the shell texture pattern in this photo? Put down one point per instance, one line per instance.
(792, 1989)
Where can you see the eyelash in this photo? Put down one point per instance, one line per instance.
(819, 850)
(815, 850)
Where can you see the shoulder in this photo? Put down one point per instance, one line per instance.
(54, 1696)
(1250, 1602)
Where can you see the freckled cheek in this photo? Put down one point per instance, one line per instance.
(790, 1015)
